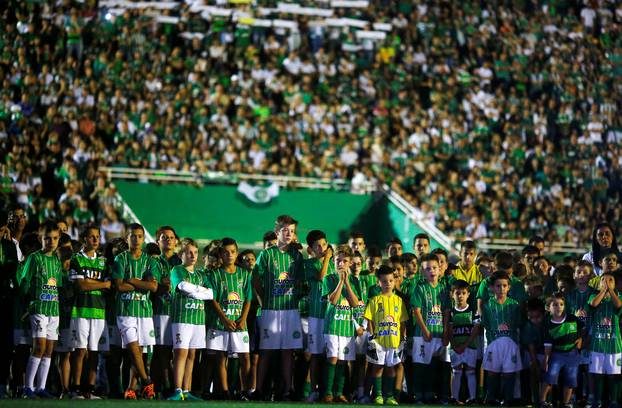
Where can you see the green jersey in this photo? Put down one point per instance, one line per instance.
(162, 302)
(210, 313)
(368, 279)
(339, 320)
(501, 320)
(562, 336)
(462, 322)
(358, 312)
(185, 309)
(231, 291)
(517, 290)
(432, 301)
(576, 304)
(278, 273)
(605, 327)
(89, 304)
(42, 275)
(409, 284)
(317, 302)
(135, 303)
(532, 335)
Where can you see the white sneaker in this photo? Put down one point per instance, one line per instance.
(313, 397)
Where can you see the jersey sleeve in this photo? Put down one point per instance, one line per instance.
(403, 312)
(416, 300)
(328, 285)
(154, 270)
(75, 272)
(176, 278)
(118, 268)
(30, 268)
(248, 288)
(485, 321)
(369, 310)
(261, 265)
(482, 290)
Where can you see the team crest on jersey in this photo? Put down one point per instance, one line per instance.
(283, 276)
(395, 309)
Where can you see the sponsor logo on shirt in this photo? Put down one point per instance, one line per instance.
(388, 327)
(283, 285)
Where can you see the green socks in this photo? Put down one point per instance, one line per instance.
(599, 385)
(378, 386)
(507, 383)
(330, 378)
(340, 379)
(388, 385)
(492, 388)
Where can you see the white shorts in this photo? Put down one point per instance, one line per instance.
(315, 336)
(601, 363)
(22, 336)
(423, 351)
(232, 342)
(162, 328)
(344, 348)
(91, 334)
(64, 344)
(379, 355)
(502, 356)
(280, 330)
(44, 327)
(360, 343)
(468, 357)
(136, 329)
(114, 335)
(188, 336)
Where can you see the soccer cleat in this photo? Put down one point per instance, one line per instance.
(29, 393)
(341, 399)
(190, 397)
(129, 395)
(148, 392)
(391, 401)
(44, 394)
(379, 400)
(313, 397)
(177, 396)
(327, 399)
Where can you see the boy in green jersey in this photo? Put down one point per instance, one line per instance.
(394, 247)
(372, 263)
(187, 317)
(357, 243)
(233, 294)
(88, 273)
(462, 331)
(136, 275)
(343, 292)
(276, 279)
(562, 342)
(315, 269)
(43, 274)
(421, 245)
(503, 262)
(430, 304)
(605, 337)
(385, 315)
(501, 318)
(166, 238)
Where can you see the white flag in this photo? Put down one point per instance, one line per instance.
(259, 194)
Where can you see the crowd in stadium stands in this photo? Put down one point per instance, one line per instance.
(170, 320)
(496, 119)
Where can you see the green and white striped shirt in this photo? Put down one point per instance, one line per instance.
(279, 274)
(317, 302)
(90, 304)
(432, 301)
(135, 303)
(339, 320)
(42, 275)
(162, 303)
(231, 291)
(605, 327)
(185, 309)
(501, 320)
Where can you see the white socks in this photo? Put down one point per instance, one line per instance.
(456, 380)
(471, 382)
(44, 368)
(31, 371)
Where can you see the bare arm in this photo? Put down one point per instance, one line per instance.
(123, 286)
(147, 286)
(421, 323)
(88, 284)
(334, 296)
(599, 298)
(353, 300)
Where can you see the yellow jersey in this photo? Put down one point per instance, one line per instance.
(386, 312)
